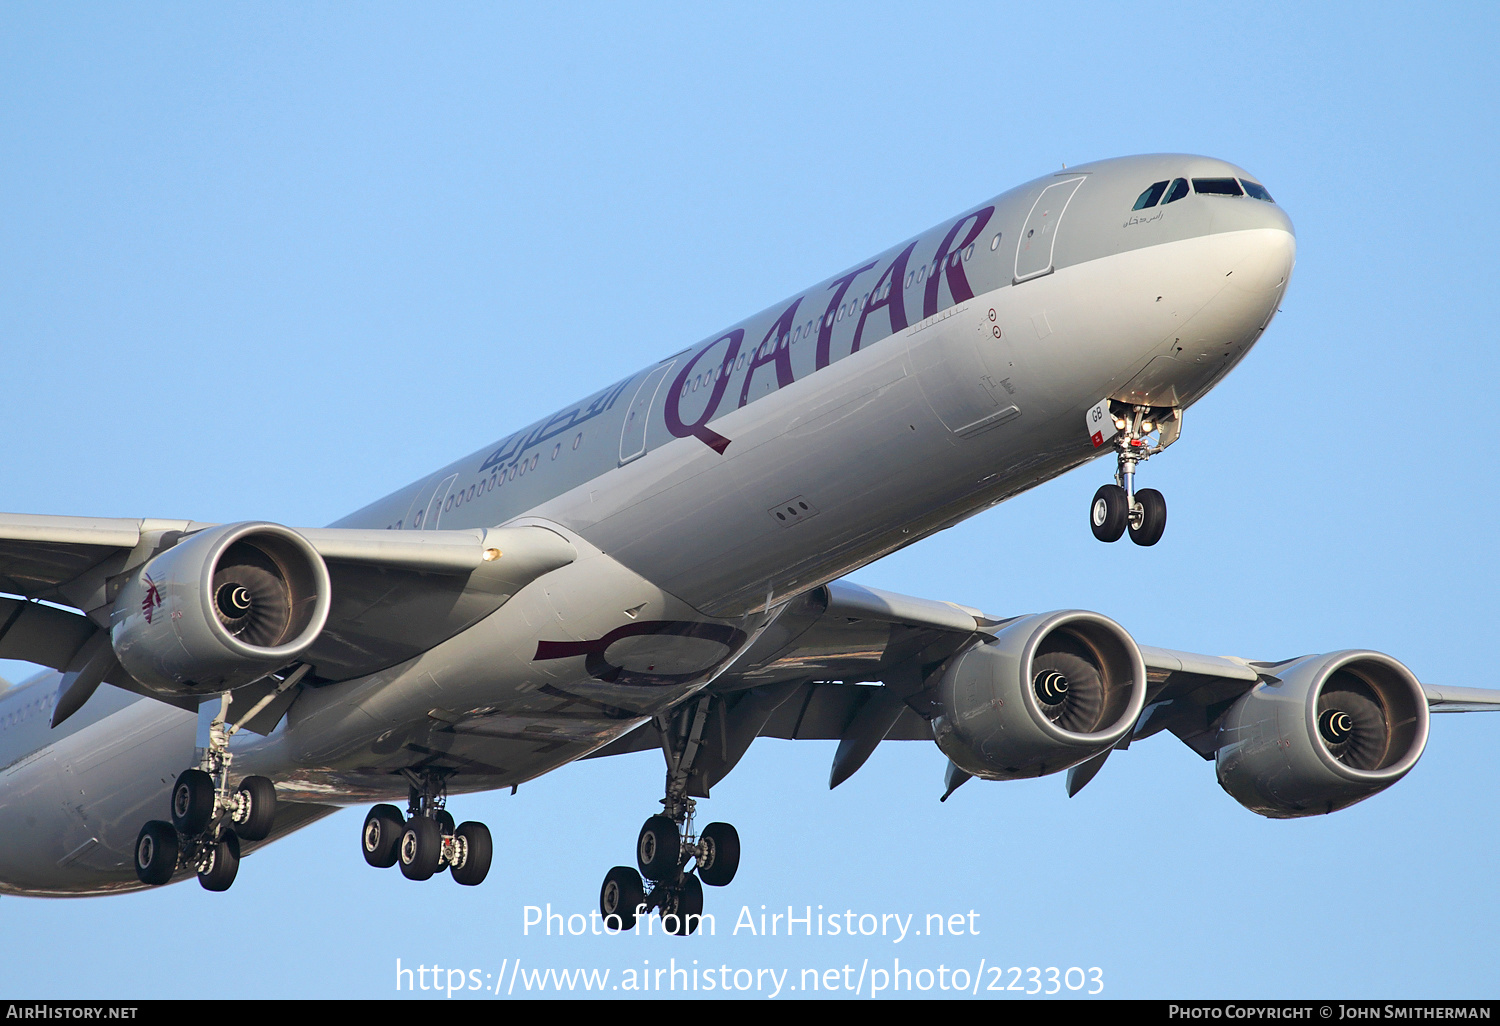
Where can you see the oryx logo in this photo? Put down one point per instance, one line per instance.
(652, 653)
(152, 602)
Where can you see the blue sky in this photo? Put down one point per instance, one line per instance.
(274, 261)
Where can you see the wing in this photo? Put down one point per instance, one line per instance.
(392, 594)
(856, 665)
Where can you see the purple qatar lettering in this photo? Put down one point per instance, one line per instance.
(699, 429)
(779, 354)
(826, 322)
(892, 299)
(958, 282)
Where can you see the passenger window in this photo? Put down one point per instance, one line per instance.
(1256, 191)
(1150, 196)
(1217, 187)
(1178, 190)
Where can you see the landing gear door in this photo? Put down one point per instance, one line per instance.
(1034, 250)
(638, 416)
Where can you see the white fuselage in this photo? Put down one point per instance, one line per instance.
(931, 418)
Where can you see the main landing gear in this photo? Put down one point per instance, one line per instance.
(667, 846)
(209, 820)
(1120, 507)
(663, 851)
(426, 841)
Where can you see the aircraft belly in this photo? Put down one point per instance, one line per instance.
(69, 817)
(571, 663)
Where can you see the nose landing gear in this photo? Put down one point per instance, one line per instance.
(1119, 507)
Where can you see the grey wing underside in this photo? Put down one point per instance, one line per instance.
(841, 662)
(848, 663)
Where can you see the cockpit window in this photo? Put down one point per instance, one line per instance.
(1256, 190)
(1150, 196)
(1217, 187)
(1178, 190)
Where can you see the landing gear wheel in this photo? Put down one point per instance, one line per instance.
(622, 893)
(220, 863)
(381, 837)
(255, 809)
(156, 849)
(1147, 527)
(192, 802)
(721, 857)
(478, 849)
(1109, 514)
(682, 911)
(658, 847)
(421, 849)
(444, 820)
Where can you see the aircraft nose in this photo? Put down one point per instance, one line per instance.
(1268, 260)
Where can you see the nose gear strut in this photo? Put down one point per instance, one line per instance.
(1119, 507)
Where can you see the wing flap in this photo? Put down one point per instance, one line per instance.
(92, 532)
(1455, 700)
(855, 602)
(1166, 661)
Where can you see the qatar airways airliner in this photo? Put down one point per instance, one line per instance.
(658, 566)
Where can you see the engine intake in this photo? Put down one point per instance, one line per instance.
(1325, 732)
(1047, 692)
(220, 609)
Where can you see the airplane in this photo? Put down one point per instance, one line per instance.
(660, 566)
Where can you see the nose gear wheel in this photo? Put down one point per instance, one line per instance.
(1119, 507)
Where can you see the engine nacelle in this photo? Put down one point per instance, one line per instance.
(220, 609)
(1331, 730)
(1047, 692)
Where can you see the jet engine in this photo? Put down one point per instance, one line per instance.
(1047, 692)
(1324, 732)
(220, 609)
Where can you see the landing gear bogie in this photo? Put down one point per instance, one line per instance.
(426, 841)
(209, 817)
(673, 861)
